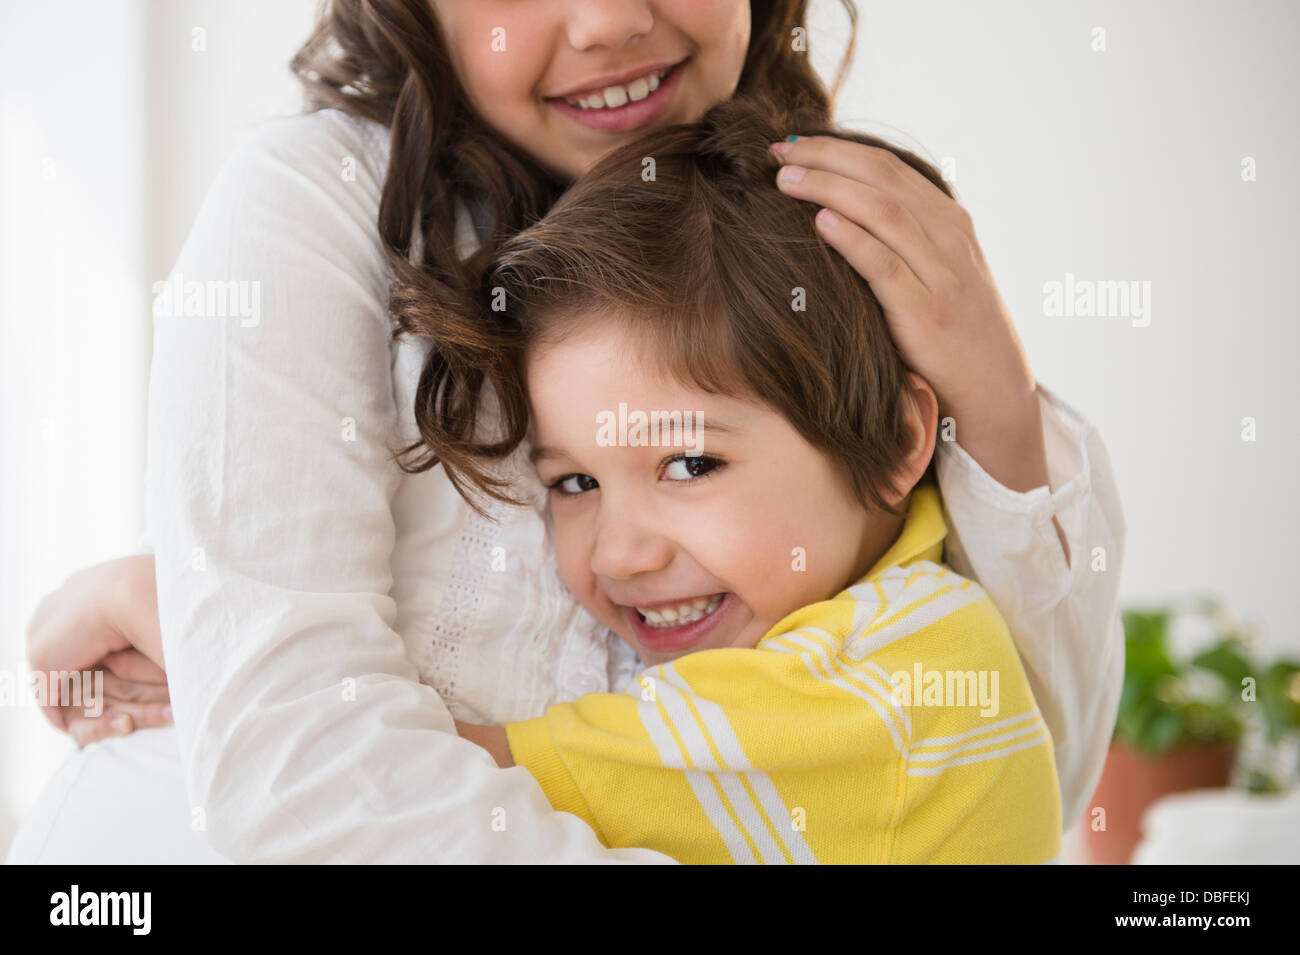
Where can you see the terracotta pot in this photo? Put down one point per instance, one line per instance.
(1130, 782)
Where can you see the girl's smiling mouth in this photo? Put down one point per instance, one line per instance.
(661, 630)
(620, 107)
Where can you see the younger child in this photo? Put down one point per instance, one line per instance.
(737, 469)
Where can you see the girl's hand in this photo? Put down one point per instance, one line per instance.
(104, 618)
(917, 249)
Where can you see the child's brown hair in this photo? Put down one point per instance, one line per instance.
(685, 233)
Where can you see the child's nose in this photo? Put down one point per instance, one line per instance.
(629, 543)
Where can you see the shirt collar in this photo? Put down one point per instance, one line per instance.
(923, 532)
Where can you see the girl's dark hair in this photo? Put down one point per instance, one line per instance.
(388, 61)
(725, 283)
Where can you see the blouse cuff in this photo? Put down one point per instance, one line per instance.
(982, 510)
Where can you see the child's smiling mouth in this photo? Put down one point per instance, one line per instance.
(673, 627)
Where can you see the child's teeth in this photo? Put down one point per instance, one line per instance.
(683, 614)
(615, 96)
(638, 90)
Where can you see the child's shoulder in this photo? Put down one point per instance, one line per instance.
(918, 603)
(921, 603)
(917, 626)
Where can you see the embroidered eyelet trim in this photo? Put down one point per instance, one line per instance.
(462, 606)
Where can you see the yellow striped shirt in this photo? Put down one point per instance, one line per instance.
(891, 723)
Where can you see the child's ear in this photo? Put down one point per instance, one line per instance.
(921, 412)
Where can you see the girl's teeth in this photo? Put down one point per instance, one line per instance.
(612, 97)
(683, 614)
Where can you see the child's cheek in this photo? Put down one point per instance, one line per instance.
(757, 558)
(568, 560)
(573, 561)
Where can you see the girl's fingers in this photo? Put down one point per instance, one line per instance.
(116, 688)
(134, 666)
(133, 688)
(119, 718)
(896, 286)
(85, 730)
(868, 164)
(876, 211)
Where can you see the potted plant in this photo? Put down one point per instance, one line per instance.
(1182, 724)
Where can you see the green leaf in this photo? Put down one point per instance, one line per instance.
(1164, 730)
(1281, 712)
(1227, 660)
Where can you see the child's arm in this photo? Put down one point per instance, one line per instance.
(491, 738)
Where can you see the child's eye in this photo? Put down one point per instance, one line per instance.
(571, 484)
(686, 467)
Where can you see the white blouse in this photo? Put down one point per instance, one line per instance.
(325, 616)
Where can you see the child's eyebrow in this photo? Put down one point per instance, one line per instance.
(541, 452)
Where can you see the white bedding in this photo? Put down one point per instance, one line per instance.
(119, 802)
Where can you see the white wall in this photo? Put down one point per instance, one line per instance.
(73, 352)
(201, 102)
(1123, 164)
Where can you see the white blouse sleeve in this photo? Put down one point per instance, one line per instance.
(304, 730)
(1065, 619)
